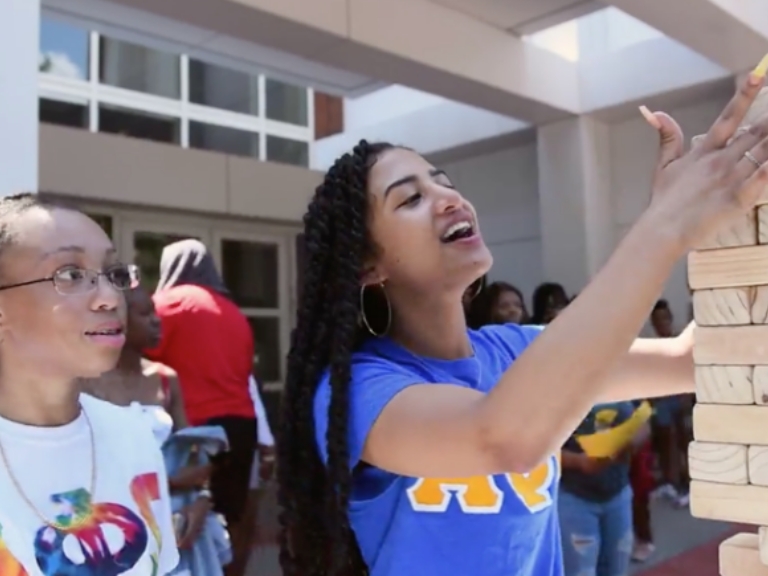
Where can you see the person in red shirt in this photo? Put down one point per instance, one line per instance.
(209, 343)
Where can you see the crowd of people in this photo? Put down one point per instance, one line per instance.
(132, 435)
(606, 501)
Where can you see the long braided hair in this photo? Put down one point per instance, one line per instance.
(316, 538)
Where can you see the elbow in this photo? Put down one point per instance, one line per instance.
(516, 453)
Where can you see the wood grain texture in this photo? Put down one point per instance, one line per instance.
(743, 232)
(728, 267)
(726, 424)
(740, 555)
(725, 384)
(728, 503)
(714, 462)
(731, 345)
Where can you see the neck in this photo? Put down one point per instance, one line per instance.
(129, 362)
(39, 401)
(432, 327)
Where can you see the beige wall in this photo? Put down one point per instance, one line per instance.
(127, 170)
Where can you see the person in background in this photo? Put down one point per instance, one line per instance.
(154, 389)
(549, 299)
(670, 431)
(497, 303)
(74, 469)
(595, 499)
(642, 482)
(207, 340)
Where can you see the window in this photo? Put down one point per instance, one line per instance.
(223, 139)
(103, 220)
(116, 120)
(287, 151)
(219, 87)
(63, 113)
(269, 358)
(148, 248)
(250, 271)
(287, 103)
(134, 67)
(63, 49)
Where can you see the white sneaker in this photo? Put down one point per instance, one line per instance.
(642, 551)
(682, 501)
(666, 491)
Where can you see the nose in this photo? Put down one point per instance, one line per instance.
(447, 199)
(105, 295)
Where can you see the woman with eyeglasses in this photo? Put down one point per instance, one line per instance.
(83, 488)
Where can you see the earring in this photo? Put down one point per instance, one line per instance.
(364, 318)
(477, 291)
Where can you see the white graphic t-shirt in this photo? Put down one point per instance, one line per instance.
(123, 528)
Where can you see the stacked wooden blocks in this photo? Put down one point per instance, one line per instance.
(728, 459)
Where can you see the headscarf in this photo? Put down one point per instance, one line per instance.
(189, 262)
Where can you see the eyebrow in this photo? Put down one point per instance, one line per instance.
(73, 249)
(410, 179)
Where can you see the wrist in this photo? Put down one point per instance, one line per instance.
(662, 234)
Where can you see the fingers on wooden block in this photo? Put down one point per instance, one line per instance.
(728, 267)
(716, 462)
(740, 555)
(744, 232)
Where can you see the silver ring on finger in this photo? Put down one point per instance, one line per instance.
(749, 156)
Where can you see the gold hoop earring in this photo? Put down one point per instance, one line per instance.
(364, 318)
(479, 289)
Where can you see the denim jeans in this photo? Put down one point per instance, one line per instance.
(597, 537)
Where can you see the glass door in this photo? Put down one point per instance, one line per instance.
(255, 270)
(143, 245)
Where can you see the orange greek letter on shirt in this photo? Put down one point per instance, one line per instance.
(481, 494)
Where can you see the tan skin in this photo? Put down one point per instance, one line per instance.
(599, 357)
(138, 380)
(42, 333)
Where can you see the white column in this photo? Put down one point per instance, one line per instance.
(577, 231)
(19, 60)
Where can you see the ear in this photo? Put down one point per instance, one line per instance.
(371, 276)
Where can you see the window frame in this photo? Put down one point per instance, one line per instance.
(93, 93)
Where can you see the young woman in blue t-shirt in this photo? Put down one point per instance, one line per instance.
(412, 446)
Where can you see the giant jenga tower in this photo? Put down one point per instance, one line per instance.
(729, 456)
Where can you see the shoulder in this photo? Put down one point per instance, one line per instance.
(510, 339)
(104, 416)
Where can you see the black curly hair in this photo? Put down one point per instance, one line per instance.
(316, 538)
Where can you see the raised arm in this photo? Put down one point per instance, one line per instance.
(447, 431)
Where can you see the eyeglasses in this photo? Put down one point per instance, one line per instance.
(72, 280)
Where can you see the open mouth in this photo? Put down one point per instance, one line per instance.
(458, 231)
(105, 332)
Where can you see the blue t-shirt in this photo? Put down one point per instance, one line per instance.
(610, 481)
(502, 525)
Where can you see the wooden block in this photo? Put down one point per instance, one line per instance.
(746, 425)
(723, 307)
(757, 465)
(762, 223)
(730, 503)
(762, 535)
(744, 232)
(725, 384)
(731, 345)
(759, 311)
(728, 267)
(760, 385)
(739, 555)
(714, 462)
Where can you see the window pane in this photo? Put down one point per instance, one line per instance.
(115, 120)
(223, 139)
(287, 103)
(287, 151)
(250, 271)
(148, 247)
(266, 335)
(63, 113)
(219, 87)
(63, 49)
(135, 67)
(104, 221)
